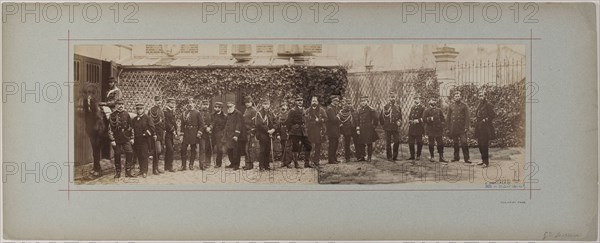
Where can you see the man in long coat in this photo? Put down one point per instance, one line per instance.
(484, 130)
(219, 120)
(206, 138)
(365, 128)
(348, 128)
(416, 128)
(315, 125)
(170, 133)
(391, 119)
(191, 125)
(333, 129)
(434, 120)
(143, 130)
(247, 138)
(458, 126)
(158, 118)
(282, 133)
(265, 127)
(231, 135)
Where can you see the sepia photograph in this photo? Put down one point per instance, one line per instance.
(299, 113)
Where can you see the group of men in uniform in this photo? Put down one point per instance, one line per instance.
(227, 130)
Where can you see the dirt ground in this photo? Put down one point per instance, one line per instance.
(506, 168)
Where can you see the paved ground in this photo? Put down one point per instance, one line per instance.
(506, 168)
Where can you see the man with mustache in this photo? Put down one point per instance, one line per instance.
(231, 135)
(333, 129)
(315, 121)
(365, 128)
(458, 126)
(121, 135)
(391, 119)
(434, 119)
(298, 134)
(143, 130)
(170, 133)
(219, 119)
(416, 128)
(191, 130)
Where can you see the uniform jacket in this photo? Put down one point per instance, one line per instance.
(333, 121)
(218, 121)
(484, 129)
(170, 122)
(434, 120)
(233, 128)
(248, 128)
(347, 122)
(295, 122)
(365, 123)
(458, 118)
(112, 96)
(313, 126)
(158, 117)
(263, 122)
(390, 117)
(282, 129)
(120, 127)
(418, 127)
(143, 127)
(207, 119)
(191, 123)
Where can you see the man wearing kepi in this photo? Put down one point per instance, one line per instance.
(282, 133)
(143, 130)
(365, 128)
(458, 126)
(120, 133)
(170, 133)
(348, 128)
(156, 146)
(247, 138)
(416, 128)
(315, 124)
(191, 125)
(333, 129)
(298, 134)
(231, 135)
(206, 138)
(391, 119)
(219, 120)
(484, 130)
(434, 119)
(264, 123)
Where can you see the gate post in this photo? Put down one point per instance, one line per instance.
(445, 59)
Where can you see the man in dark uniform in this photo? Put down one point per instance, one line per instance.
(120, 133)
(143, 130)
(391, 119)
(315, 125)
(298, 134)
(265, 127)
(191, 131)
(416, 128)
(348, 128)
(218, 120)
(458, 126)
(112, 95)
(156, 146)
(247, 138)
(170, 133)
(231, 135)
(282, 133)
(365, 128)
(484, 130)
(333, 129)
(434, 119)
(206, 138)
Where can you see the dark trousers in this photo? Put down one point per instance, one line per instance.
(285, 151)
(206, 151)
(440, 145)
(233, 153)
(412, 139)
(157, 151)
(347, 140)
(123, 149)
(392, 139)
(97, 143)
(462, 140)
(484, 145)
(368, 147)
(332, 148)
(298, 141)
(245, 150)
(265, 153)
(169, 151)
(216, 143)
(184, 147)
(140, 147)
(316, 152)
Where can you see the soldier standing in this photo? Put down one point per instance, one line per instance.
(282, 132)
(315, 124)
(206, 138)
(170, 133)
(156, 146)
(219, 120)
(391, 119)
(365, 128)
(298, 134)
(191, 125)
(247, 136)
(458, 125)
(348, 128)
(333, 129)
(484, 130)
(143, 130)
(231, 134)
(265, 127)
(434, 119)
(120, 133)
(416, 128)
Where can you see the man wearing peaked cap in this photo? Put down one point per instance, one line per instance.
(218, 119)
(206, 138)
(390, 119)
(316, 117)
(247, 136)
(143, 131)
(170, 133)
(158, 117)
(416, 128)
(298, 133)
(120, 133)
(365, 129)
(333, 129)
(191, 131)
